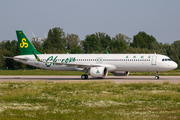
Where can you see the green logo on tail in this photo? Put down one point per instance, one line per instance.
(24, 43)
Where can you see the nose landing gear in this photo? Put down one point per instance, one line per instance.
(156, 77)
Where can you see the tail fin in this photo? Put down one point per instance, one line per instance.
(25, 46)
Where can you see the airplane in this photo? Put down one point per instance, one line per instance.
(96, 65)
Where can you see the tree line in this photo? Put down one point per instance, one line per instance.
(59, 42)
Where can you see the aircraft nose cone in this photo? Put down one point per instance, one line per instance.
(175, 65)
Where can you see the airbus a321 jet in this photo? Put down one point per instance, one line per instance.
(96, 65)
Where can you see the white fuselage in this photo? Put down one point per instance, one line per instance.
(113, 62)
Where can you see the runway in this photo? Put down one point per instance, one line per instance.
(116, 79)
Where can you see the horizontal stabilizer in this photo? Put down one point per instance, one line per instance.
(17, 58)
(8, 57)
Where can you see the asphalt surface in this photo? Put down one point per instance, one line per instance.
(116, 79)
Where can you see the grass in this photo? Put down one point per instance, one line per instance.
(51, 72)
(89, 100)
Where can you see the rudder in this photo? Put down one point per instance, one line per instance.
(25, 46)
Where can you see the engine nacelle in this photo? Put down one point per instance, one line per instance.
(120, 73)
(98, 72)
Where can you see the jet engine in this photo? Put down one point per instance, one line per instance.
(120, 73)
(98, 72)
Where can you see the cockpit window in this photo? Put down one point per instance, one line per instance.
(166, 59)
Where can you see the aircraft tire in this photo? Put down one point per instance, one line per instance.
(83, 77)
(157, 77)
(86, 76)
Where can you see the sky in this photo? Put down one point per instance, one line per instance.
(160, 18)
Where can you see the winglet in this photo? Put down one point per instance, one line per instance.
(107, 52)
(37, 58)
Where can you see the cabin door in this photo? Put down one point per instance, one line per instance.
(153, 61)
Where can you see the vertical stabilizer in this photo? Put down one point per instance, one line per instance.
(25, 46)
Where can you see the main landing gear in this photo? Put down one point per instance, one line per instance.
(84, 76)
(156, 77)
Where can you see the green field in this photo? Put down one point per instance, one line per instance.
(89, 100)
(51, 72)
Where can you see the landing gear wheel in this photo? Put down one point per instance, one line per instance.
(157, 77)
(86, 76)
(83, 77)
